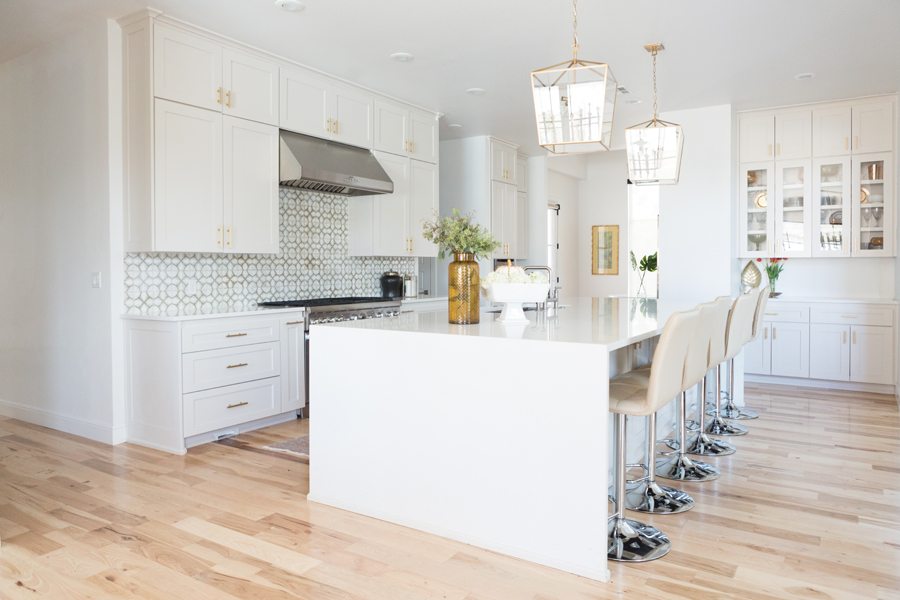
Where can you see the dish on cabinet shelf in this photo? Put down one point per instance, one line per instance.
(761, 200)
(836, 218)
(876, 243)
(863, 195)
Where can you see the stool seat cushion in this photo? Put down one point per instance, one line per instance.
(628, 393)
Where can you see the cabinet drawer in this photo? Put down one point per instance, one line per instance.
(223, 407)
(853, 314)
(217, 368)
(784, 312)
(227, 333)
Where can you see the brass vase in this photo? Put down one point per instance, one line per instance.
(463, 289)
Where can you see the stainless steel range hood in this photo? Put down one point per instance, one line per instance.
(319, 165)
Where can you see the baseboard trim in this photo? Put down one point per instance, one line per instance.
(848, 386)
(80, 427)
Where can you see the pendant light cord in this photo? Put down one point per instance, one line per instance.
(574, 30)
(655, 110)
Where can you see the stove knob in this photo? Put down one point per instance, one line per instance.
(378, 314)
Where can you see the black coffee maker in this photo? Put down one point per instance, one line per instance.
(391, 285)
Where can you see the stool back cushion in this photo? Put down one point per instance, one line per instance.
(760, 310)
(695, 366)
(667, 368)
(721, 313)
(740, 324)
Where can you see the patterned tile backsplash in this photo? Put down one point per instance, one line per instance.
(313, 263)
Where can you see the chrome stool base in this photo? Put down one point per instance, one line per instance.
(719, 426)
(737, 413)
(633, 541)
(682, 468)
(651, 497)
(703, 445)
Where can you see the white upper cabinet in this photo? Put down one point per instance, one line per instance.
(316, 105)
(757, 137)
(250, 187)
(831, 130)
(505, 219)
(522, 173)
(793, 191)
(250, 87)
(405, 131)
(392, 210)
(793, 138)
(503, 161)
(423, 205)
(187, 68)
(873, 127)
(187, 179)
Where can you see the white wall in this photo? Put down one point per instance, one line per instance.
(603, 200)
(56, 349)
(836, 277)
(563, 190)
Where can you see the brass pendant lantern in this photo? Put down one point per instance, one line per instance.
(574, 102)
(653, 148)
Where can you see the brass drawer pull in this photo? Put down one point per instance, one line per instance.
(235, 366)
(236, 404)
(234, 335)
(294, 323)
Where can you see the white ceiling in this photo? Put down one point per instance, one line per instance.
(718, 51)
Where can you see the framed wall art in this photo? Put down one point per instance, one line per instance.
(605, 250)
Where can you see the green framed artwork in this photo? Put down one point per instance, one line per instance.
(605, 250)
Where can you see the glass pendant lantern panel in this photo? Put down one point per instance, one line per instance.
(574, 107)
(653, 152)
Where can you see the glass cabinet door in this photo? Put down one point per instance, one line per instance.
(872, 205)
(757, 201)
(792, 208)
(832, 213)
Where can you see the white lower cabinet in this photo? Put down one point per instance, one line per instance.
(851, 342)
(192, 380)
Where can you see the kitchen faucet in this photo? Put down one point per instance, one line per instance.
(553, 293)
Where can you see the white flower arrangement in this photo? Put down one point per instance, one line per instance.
(513, 275)
(512, 287)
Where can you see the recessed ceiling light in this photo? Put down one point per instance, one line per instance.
(633, 101)
(454, 125)
(802, 76)
(291, 5)
(476, 91)
(402, 56)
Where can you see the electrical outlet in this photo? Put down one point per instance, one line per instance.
(96, 280)
(190, 287)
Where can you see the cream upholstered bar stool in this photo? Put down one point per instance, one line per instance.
(731, 410)
(641, 393)
(701, 444)
(678, 465)
(740, 331)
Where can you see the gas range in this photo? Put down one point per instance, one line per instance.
(333, 310)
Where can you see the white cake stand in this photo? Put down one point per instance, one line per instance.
(514, 295)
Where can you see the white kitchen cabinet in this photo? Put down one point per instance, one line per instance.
(829, 351)
(831, 130)
(756, 133)
(423, 206)
(793, 190)
(521, 225)
(505, 219)
(790, 349)
(251, 202)
(872, 202)
(793, 134)
(872, 354)
(873, 127)
(187, 209)
(757, 207)
(522, 173)
(405, 131)
(503, 161)
(250, 87)
(831, 207)
(316, 105)
(392, 210)
(758, 352)
(187, 68)
(293, 365)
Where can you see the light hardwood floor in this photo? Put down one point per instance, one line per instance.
(809, 507)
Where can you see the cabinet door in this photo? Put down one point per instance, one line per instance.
(392, 210)
(293, 369)
(503, 162)
(792, 211)
(423, 205)
(250, 151)
(521, 173)
(187, 208)
(758, 352)
(829, 352)
(510, 220)
(831, 209)
(873, 127)
(872, 199)
(872, 354)
(831, 131)
(497, 230)
(793, 134)
(757, 137)
(251, 87)
(423, 136)
(757, 198)
(352, 112)
(521, 225)
(790, 349)
(391, 127)
(187, 68)
(304, 102)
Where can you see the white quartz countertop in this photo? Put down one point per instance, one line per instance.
(244, 313)
(821, 300)
(611, 322)
(423, 299)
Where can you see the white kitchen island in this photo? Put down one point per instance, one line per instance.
(489, 434)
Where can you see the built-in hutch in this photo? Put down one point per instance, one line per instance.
(202, 118)
(818, 180)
